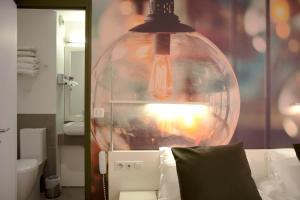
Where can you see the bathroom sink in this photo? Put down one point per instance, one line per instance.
(74, 128)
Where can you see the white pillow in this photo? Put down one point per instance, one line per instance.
(169, 186)
(286, 169)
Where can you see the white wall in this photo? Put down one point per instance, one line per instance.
(75, 31)
(37, 95)
(60, 44)
(8, 102)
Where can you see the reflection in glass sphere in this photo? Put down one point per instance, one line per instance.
(289, 106)
(202, 108)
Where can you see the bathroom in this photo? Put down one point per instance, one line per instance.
(50, 82)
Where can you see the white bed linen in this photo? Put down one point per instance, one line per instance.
(169, 186)
(272, 189)
(285, 169)
(277, 184)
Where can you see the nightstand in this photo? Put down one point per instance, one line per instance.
(138, 195)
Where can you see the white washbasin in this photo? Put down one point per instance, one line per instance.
(74, 128)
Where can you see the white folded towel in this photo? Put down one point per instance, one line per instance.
(30, 60)
(29, 72)
(32, 49)
(26, 54)
(28, 66)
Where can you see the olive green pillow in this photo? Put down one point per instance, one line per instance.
(297, 150)
(214, 173)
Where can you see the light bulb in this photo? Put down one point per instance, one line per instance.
(161, 83)
(161, 78)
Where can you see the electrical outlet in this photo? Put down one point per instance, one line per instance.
(119, 165)
(129, 165)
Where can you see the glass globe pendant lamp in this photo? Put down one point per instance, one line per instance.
(163, 84)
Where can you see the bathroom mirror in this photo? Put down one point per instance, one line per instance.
(74, 88)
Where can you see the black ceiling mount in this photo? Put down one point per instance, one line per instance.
(162, 19)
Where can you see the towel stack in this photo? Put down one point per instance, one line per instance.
(28, 63)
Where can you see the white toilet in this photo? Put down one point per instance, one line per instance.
(31, 165)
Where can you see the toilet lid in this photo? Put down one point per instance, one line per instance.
(25, 165)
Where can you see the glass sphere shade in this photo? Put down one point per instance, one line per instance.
(200, 105)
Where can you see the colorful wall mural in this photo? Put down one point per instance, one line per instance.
(125, 116)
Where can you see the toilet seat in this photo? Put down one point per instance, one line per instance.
(27, 165)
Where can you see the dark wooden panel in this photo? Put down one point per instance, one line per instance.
(73, 140)
(53, 4)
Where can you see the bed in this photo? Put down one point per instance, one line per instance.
(276, 173)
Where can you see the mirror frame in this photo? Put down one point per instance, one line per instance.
(75, 5)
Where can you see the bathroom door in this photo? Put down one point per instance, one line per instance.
(8, 100)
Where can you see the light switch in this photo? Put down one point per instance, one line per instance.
(98, 112)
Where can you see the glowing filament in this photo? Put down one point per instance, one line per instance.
(161, 80)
